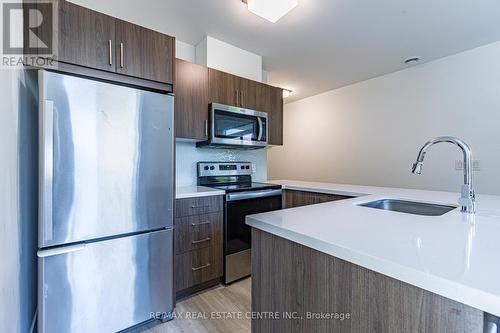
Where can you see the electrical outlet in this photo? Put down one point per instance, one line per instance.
(459, 165)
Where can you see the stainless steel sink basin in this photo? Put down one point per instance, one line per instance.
(410, 207)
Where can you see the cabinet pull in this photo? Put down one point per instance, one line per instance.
(236, 97)
(121, 55)
(206, 128)
(200, 267)
(201, 223)
(201, 240)
(198, 207)
(110, 53)
(241, 97)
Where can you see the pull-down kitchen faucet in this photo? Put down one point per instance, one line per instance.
(467, 199)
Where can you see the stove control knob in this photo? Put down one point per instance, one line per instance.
(205, 167)
(242, 167)
(212, 167)
(247, 167)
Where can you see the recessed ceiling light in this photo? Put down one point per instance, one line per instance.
(286, 93)
(271, 10)
(412, 60)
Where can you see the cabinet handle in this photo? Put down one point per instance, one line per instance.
(206, 128)
(201, 223)
(121, 55)
(110, 46)
(241, 97)
(200, 240)
(236, 97)
(201, 267)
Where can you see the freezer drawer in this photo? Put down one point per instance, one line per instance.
(106, 286)
(106, 160)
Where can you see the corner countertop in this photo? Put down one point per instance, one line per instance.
(455, 255)
(184, 192)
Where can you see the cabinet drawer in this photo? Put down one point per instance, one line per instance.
(197, 231)
(198, 266)
(196, 206)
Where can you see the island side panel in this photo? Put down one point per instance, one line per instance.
(290, 278)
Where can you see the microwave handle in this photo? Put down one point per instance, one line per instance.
(261, 128)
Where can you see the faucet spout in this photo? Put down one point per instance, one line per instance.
(467, 198)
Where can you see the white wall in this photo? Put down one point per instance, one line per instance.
(370, 132)
(188, 155)
(228, 58)
(185, 51)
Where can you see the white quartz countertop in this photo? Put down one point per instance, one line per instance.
(455, 255)
(183, 192)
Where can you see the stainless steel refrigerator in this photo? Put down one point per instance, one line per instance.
(105, 256)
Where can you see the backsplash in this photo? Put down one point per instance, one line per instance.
(187, 155)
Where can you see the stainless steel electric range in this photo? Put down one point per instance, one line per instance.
(243, 197)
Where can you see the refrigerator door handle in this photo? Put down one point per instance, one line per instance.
(60, 250)
(48, 168)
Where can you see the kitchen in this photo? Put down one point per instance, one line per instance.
(135, 163)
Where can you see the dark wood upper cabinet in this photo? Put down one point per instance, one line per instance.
(144, 53)
(223, 87)
(191, 100)
(86, 37)
(275, 114)
(97, 45)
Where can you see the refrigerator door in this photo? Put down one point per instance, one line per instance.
(105, 286)
(106, 159)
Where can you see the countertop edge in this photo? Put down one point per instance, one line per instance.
(469, 296)
(197, 195)
(186, 192)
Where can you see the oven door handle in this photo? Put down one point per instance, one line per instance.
(252, 195)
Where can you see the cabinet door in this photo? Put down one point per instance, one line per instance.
(223, 87)
(295, 198)
(86, 37)
(247, 90)
(275, 114)
(191, 100)
(263, 97)
(144, 53)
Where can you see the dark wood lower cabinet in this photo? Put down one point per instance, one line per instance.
(197, 244)
(198, 231)
(196, 267)
(294, 198)
(297, 280)
(197, 206)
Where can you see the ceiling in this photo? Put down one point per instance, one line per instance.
(324, 44)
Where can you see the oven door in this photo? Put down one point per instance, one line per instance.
(236, 126)
(237, 235)
(238, 206)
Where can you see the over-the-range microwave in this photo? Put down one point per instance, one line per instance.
(235, 127)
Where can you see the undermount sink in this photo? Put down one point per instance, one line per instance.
(409, 207)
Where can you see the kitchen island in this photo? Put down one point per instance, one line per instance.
(341, 267)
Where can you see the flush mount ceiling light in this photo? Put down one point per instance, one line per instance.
(271, 10)
(286, 93)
